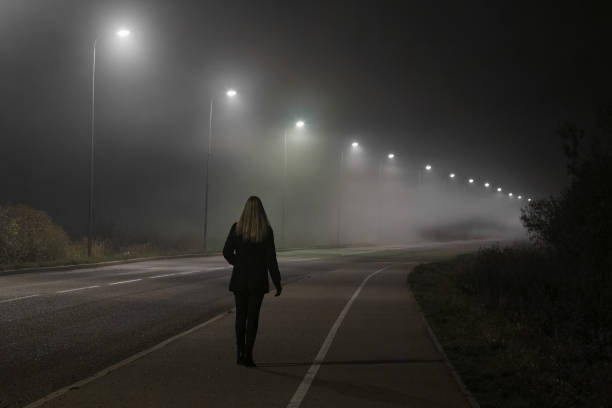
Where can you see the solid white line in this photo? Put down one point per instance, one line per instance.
(302, 389)
(74, 290)
(125, 362)
(18, 298)
(127, 281)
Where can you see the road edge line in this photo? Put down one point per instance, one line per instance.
(124, 362)
(304, 386)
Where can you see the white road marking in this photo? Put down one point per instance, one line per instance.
(162, 276)
(74, 290)
(127, 281)
(18, 298)
(302, 389)
(125, 362)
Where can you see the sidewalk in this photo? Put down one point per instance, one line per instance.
(382, 355)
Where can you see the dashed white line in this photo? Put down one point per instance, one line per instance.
(126, 281)
(75, 289)
(162, 276)
(18, 298)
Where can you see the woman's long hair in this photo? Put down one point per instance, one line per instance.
(253, 224)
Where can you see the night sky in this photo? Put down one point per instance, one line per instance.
(476, 87)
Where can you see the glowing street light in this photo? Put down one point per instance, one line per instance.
(487, 184)
(529, 200)
(471, 181)
(230, 93)
(355, 145)
(499, 189)
(390, 155)
(452, 175)
(510, 195)
(121, 33)
(300, 124)
(428, 167)
(520, 197)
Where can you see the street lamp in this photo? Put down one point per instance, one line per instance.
(520, 197)
(230, 93)
(428, 167)
(354, 146)
(121, 33)
(298, 125)
(499, 189)
(529, 200)
(487, 184)
(471, 181)
(510, 195)
(452, 175)
(390, 157)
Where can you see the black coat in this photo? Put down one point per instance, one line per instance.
(252, 261)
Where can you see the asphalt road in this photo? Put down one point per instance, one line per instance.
(59, 327)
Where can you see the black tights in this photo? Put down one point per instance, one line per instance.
(247, 319)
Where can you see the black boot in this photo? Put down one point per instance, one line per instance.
(248, 360)
(240, 357)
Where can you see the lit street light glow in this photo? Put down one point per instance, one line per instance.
(299, 124)
(520, 197)
(390, 155)
(487, 185)
(499, 189)
(452, 175)
(122, 33)
(471, 181)
(510, 195)
(355, 145)
(529, 200)
(428, 167)
(231, 93)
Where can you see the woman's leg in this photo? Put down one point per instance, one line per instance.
(241, 299)
(252, 323)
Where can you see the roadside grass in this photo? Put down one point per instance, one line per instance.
(520, 332)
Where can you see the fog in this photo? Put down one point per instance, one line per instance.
(375, 199)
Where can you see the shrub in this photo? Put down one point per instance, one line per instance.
(577, 224)
(29, 235)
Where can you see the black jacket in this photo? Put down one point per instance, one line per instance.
(252, 261)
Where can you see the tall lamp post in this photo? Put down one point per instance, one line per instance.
(298, 125)
(354, 146)
(230, 93)
(121, 33)
(390, 156)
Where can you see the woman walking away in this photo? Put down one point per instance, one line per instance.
(250, 248)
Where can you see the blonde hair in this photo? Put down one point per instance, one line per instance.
(253, 224)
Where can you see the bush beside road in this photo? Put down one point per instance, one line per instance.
(521, 329)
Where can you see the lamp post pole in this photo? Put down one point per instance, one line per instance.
(207, 180)
(122, 33)
(284, 193)
(91, 152)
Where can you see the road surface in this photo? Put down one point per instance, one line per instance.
(345, 332)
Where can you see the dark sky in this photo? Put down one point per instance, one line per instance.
(477, 87)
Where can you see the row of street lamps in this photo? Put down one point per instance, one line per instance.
(232, 93)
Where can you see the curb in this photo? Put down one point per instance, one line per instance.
(101, 264)
(462, 388)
